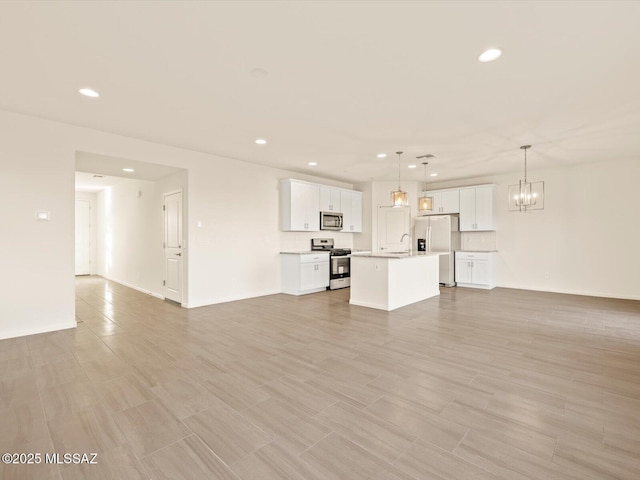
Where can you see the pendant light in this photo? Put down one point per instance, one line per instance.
(425, 203)
(399, 198)
(526, 196)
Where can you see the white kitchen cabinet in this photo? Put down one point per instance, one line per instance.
(299, 206)
(330, 199)
(304, 273)
(351, 204)
(444, 202)
(475, 269)
(477, 208)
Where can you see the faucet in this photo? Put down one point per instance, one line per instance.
(402, 240)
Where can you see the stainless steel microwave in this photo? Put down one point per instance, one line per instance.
(330, 221)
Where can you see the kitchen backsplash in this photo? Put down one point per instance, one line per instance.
(479, 241)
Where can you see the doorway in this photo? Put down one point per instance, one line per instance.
(130, 226)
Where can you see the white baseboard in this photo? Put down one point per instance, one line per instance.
(37, 330)
(370, 305)
(134, 287)
(575, 292)
(475, 285)
(213, 301)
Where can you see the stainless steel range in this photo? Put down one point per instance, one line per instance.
(339, 262)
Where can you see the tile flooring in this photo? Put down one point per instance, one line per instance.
(501, 384)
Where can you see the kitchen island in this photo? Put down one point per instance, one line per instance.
(388, 281)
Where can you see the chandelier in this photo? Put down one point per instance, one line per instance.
(526, 196)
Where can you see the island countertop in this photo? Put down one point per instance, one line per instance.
(399, 255)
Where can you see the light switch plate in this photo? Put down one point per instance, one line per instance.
(43, 215)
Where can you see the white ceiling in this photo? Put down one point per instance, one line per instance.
(345, 80)
(96, 172)
(91, 182)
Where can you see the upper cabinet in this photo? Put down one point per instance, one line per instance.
(443, 201)
(477, 208)
(299, 206)
(301, 203)
(330, 199)
(351, 204)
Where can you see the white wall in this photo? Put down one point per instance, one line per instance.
(38, 272)
(132, 243)
(93, 200)
(583, 242)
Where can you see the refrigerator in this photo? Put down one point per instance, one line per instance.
(439, 234)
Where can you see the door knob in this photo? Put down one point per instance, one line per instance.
(178, 254)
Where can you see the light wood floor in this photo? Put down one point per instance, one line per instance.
(501, 384)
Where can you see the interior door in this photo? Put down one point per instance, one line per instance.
(393, 223)
(173, 259)
(83, 237)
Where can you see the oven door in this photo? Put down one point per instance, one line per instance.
(340, 266)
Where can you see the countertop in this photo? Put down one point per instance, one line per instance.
(306, 252)
(395, 255)
(476, 251)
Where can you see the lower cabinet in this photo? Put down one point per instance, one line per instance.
(475, 269)
(304, 273)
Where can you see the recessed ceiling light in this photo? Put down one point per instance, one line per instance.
(433, 175)
(490, 55)
(313, 164)
(88, 92)
(382, 155)
(129, 170)
(411, 166)
(261, 141)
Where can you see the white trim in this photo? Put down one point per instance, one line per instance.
(475, 285)
(205, 303)
(576, 292)
(370, 305)
(171, 192)
(128, 285)
(35, 331)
